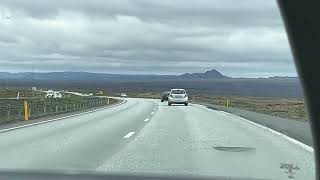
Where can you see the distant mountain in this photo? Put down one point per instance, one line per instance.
(105, 77)
(73, 76)
(282, 77)
(212, 74)
(87, 76)
(210, 82)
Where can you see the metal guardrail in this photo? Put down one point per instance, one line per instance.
(19, 110)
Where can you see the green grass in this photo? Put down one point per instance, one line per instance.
(280, 107)
(23, 93)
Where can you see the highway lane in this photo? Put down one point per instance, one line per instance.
(80, 142)
(147, 136)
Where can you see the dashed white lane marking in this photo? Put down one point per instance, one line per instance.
(152, 112)
(128, 135)
(146, 120)
(304, 146)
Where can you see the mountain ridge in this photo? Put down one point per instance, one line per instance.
(211, 74)
(91, 76)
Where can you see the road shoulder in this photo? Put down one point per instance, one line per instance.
(295, 129)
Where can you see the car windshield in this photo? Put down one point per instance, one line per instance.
(187, 88)
(178, 92)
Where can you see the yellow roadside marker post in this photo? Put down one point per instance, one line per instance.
(227, 103)
(26, 113)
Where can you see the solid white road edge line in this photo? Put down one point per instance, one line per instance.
(128, 135)
(294, 141)
(146, 120)
(60, 118)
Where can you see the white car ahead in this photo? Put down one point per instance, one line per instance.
(178, 96)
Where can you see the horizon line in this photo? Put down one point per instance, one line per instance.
(146, 74)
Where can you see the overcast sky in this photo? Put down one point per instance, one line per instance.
(239, 38)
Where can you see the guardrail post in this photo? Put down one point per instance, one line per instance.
(9, 114)
(26, 113)
(108, 102)
(19, 113)
(29, 111)
(37, 107)
(227, 103)
(44, 109)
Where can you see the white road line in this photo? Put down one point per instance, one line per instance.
(146, 120)
(152, 112)
(128, 135)
(304, 146)
(60, 118)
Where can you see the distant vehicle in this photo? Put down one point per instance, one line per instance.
(49, 94)
(57, 94)
(164, 96)
(178, 96)
(53, 94)
(123, 95)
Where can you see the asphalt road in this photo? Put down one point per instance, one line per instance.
(147, 136)
(299, 130)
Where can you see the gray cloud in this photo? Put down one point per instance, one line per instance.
(244, 38)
